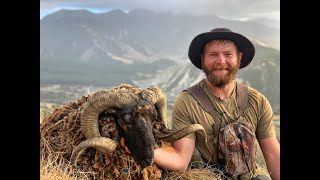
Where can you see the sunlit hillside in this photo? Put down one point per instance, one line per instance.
(52, 169)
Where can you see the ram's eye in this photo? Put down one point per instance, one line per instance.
(127, 117)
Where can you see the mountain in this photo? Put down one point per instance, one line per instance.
(137, 36)
(143, 48)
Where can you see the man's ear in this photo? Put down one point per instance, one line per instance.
(240, 56)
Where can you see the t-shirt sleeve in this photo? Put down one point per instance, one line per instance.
(181, 114)
(265, 127)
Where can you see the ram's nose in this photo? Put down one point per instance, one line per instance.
(146, 162)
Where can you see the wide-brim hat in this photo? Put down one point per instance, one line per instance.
(244, 45)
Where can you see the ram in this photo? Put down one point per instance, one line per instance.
(87, 132)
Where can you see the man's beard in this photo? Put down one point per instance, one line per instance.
(219, 81)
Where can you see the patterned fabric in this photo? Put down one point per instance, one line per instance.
(237, 148)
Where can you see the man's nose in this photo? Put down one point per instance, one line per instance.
(221, 59)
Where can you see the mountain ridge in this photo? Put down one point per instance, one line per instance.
(143, 48)
(138, 35)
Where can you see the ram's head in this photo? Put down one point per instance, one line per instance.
(135, 115)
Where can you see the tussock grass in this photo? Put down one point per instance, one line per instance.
(53, 167)
(46, 109)
(198, 170)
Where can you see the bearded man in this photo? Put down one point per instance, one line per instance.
(220, 53)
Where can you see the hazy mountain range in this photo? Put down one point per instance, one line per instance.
(145, 48)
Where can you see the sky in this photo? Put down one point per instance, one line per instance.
(230, 9)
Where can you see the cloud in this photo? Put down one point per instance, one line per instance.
(234, 9)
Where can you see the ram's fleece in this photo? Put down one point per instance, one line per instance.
(87, 132)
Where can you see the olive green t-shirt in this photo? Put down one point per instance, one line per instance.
(187, 111)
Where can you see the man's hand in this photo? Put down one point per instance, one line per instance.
(179, 153)
(124, 145)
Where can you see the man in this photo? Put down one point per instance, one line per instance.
(220, 53)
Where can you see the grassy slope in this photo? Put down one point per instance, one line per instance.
(47, 171)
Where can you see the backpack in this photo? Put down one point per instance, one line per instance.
(236, 140)
(237, 148)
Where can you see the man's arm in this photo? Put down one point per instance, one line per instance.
(270, 148)
(176, 157)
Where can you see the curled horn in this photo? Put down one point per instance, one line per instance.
(171, 135)
(95, 105)
(157, 96)
(104, 143)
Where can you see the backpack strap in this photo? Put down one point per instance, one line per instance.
(197, 92)
(241, 97)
